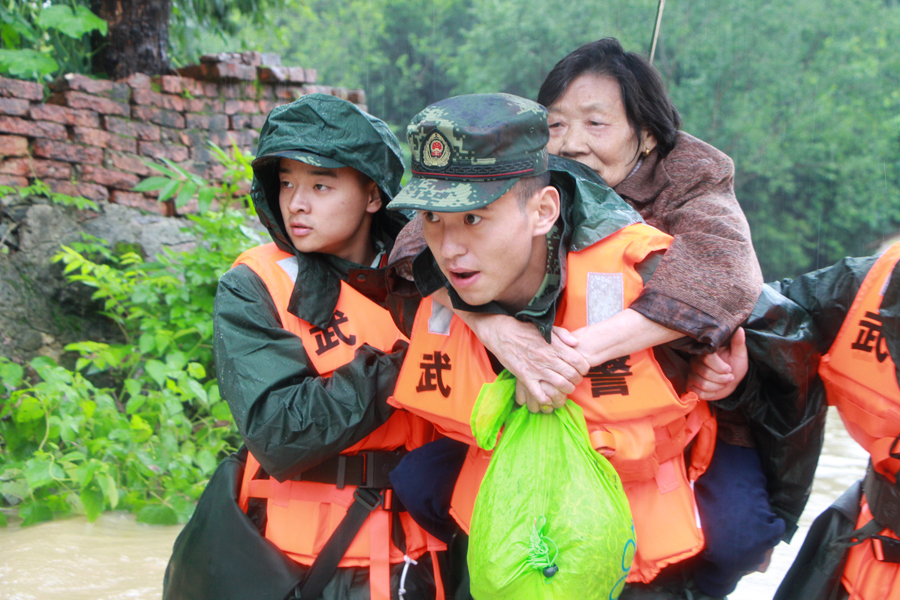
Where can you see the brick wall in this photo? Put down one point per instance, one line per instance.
(92, 137)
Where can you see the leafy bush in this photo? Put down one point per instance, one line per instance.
(138, 425)
(42, 39)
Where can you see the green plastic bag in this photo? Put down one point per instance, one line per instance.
(551, 520)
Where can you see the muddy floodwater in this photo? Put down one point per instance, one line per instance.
(116, 558)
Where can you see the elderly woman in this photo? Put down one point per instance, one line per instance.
(608, 110)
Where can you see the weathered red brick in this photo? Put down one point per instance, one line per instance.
(240, 121)
(139, 201)
(104, 106)
(210, 89)
(14, 106)
(32, 167)
(157, 150)
(122, 143)
(196, 72)
(13, 145)
(232, 72)
(166, 118)
(232, 107)
(257, 121)
(90, 191)
(171, 84)
(283, 92)
(357, 96)
(191, 86)
(195, 121)
(109, 177)
(312, 75)
(166, 101)
(35, 129)
(249, 91)
(297, 74)
(249, 107)
(26, 90)
(244, 138)
(168, 135)
(200, 153)
(121, 92)
(128, 128)
(272, 74)
(91, 137)
(230, 91)
(12, 181)
(83, 83)
(266, 106)
(204, 105)
(137, 81)
(64, 151)
(129, 163)
(266, 92)
(216, 171)
(65, 115)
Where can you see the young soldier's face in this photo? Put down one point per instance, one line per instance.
(328, 210)
(496, 253)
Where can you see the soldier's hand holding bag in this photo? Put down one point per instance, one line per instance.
(551, 520)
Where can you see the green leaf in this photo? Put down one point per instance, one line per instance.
(74, 25)
(42, 472)
(2, 519)
(168, 190)
(221, 412)
(29, 410)
(187, 192)
(205, 198)
(92, 500)
(206, 461)
(196, 370)
(11, 374)
(33, 513)
(133, 387)
(146, 343)
(152, 184)
(26, 64)
(142, 431)
(110, 490)
(157, 371)
(156, 514)
(197, 389)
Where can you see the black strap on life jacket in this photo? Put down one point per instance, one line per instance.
(369, 471)
(883, 498)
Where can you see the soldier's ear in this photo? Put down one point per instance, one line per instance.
(373, 197)
(546, 209)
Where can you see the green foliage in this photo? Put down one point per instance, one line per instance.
(39, 188)
(41, 40)
(176, 182)
(138, 425)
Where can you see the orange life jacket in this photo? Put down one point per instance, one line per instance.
(860, 380)
(633, 414)
(301, 516)
(859, 374)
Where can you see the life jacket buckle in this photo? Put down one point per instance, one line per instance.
(886, 549)
(368, 498)
(378, 467)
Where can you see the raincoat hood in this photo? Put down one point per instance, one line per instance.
(325, 131)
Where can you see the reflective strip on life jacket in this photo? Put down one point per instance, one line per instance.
(301, 516)
(634, 416)
(860, 375)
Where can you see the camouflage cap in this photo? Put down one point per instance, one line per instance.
(468, 151)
